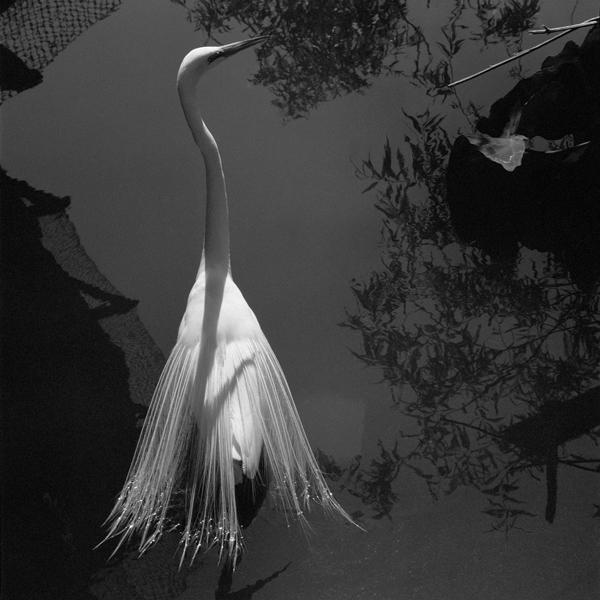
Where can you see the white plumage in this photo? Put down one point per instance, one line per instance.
(222, 401)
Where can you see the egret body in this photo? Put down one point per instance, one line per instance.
(222, 401)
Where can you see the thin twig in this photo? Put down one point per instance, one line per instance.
(576, 466)
(514, 57)
(588, 23)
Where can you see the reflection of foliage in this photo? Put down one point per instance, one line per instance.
(317, 50)
(503, 505)
(508, 22)
(511, 20)
(470, 349)
(373, 485)
(320, 50)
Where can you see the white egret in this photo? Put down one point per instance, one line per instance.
(222, 401)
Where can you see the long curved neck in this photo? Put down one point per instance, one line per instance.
(215, 255)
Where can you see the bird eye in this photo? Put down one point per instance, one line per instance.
(215, 55)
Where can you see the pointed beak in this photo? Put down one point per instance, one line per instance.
(235, 47)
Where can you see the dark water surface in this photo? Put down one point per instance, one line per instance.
(105, 129)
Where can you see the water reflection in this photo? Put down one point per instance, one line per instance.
(487, 341)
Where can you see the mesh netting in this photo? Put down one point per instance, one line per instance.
(115, 313)
(33, 32)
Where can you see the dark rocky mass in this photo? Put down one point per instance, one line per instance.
(549, 203)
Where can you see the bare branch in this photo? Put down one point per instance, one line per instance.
(588, 23)
(521, 54)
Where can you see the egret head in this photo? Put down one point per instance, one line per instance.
(200, 60)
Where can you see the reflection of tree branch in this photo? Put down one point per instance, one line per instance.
(474, 427)
(551, 486)
(577, 466)
(539, 435)
(517, 56)
(548, 448)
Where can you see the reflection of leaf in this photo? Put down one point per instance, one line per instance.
(415, 124)
(386, 169)
(452, 49)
